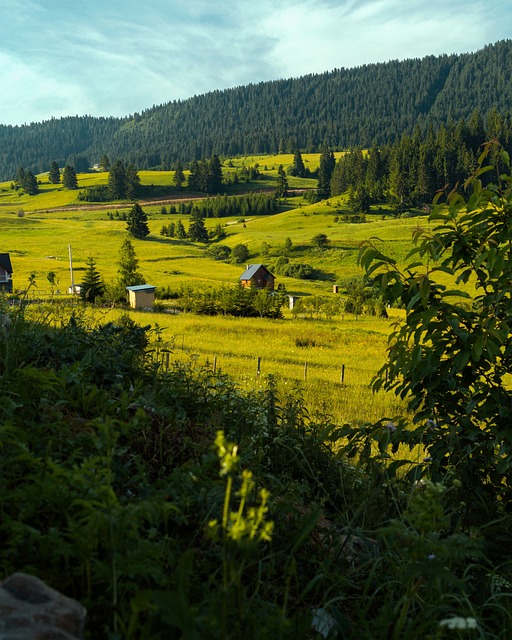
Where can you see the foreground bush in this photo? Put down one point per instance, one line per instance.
(172, 505)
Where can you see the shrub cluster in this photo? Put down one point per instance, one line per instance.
(121, 485)
(234, 301)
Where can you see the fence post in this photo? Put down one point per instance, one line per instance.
(214, 365)
(342, 377)
(258, 371)
(305, 371)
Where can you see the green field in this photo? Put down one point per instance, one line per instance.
(39, 242)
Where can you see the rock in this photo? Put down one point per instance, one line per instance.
(30, 610)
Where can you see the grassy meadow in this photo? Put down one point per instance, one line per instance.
(38, 243)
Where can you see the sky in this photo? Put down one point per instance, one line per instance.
(119, 57)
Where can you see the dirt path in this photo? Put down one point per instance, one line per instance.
(184, 197)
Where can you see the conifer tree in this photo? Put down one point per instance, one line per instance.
(54, 173)
(179, 176)
(197, 231)
(181, 234)
(137, 222)
(132, 182)
(325, 171)
(117, 181)
(282, 183)
(298, 168)
(69, 179)
(128, 265)
(92, 285)
(104, 163)
(214, 182)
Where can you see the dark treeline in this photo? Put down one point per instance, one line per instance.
(227, 206)
(248, 204)
(413, 168)
(343, 108)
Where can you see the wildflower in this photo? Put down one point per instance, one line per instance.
(428, 459)
(431, 424)
(459, 623)
(431, 556)
(390, 426)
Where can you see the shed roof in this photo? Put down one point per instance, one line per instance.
(251, 271)
(142, 287)
(5, 262)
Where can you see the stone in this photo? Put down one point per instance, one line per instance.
(30, 610)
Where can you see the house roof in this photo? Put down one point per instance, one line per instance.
(5, 262)
(252, 269)
(142, 287)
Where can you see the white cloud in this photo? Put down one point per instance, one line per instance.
(119, 57)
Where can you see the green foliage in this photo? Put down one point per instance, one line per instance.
(299, 270)
(110, 490)
(69, 179)
(95, 193)
(234, 301)
(451, 356)
(92, 286)
(282, 183)
(137, 222)
(240, 253)
(197, 231)
(179, 176)
(320, 240)
(180, 230)
(325, 171)
(128, 266)
(219, 252)
(27, 181)
(54, 173)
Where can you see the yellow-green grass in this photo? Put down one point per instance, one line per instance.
(38, 243)
(234, 346)
(52, 196)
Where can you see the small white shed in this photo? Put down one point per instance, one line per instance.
(141, 296)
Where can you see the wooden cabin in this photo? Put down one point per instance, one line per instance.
(257, 276)
(5, 273)
(141, 296)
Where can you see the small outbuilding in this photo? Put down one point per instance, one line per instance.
(141, 296)
(5, 273)
(257, 276)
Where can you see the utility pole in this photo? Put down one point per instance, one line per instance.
(71, 269)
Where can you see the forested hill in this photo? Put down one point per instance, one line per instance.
(341, 108)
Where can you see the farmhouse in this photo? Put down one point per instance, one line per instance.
(141, 296)
(258, 277)
(5, 273)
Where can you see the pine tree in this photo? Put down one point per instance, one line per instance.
(325, 171)
(137, 222)
(282, 183)
(179, 176)
(104, 163)
(54, 173)
(117, 181)
(214, 182)
(69, 179)
(197, 231)
(298, 168)
(181, 234)
(128, 265)
(132, 182)
(92, 285)
(193, 178)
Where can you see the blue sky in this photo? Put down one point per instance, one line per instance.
(118, 57)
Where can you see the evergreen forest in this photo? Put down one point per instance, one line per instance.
(342, 108)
